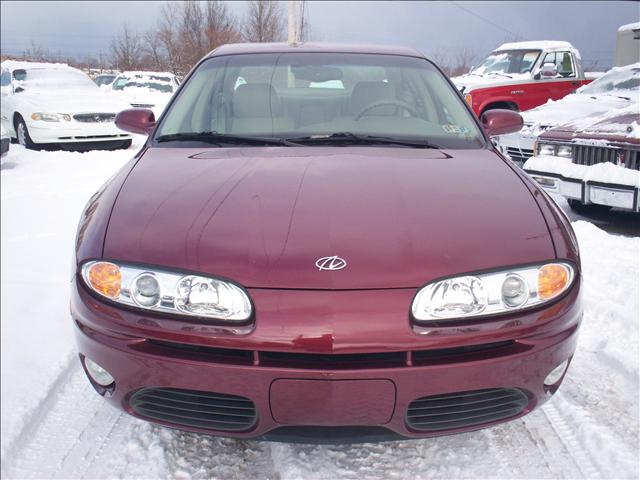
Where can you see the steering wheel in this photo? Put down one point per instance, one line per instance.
(395, 103)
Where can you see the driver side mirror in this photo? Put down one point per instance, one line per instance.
(136, 120)
(501, 122)
(549, 70)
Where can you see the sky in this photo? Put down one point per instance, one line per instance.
(77, 29)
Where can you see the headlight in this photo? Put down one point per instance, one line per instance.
(51, 117)
(564, 151)
(552, 149)
(546, 149)
(491, 293)
(163, 291)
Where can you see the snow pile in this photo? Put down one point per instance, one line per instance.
(55, 426)
(43, 194)
(605, 172)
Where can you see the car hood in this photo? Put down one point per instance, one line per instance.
(621, 125)
(263, 216)
(574, 106)
(470, 81)
(577, 106)
(73, 101)
(142, 95)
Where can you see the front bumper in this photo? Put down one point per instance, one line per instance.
(291, 375)
(74, 132)
(589, 192)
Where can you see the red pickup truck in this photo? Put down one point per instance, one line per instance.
(522, 75)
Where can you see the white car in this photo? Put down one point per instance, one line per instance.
(54, 104)
(151, 90)
(618, 88)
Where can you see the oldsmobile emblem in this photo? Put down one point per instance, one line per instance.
(331, 263)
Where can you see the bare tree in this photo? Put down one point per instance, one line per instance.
(264, 22)
(36, 53)
(305, 26)
(126, 49)
(463, 62)
(220, 25)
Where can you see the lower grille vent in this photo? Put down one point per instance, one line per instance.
(519, 154)
(465, 409)
(192, 408)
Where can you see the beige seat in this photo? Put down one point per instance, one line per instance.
(256, 111)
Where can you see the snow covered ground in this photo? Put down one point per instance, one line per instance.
(55, 426)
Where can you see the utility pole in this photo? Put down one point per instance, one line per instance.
(291, 38)
(294, 23)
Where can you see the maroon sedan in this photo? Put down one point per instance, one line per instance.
(320, 242)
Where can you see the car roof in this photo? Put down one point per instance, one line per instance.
(24, 65)
(536, 45)
(312, 47)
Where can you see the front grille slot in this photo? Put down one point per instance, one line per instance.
(95, 117)
(333, 361)
(519, 154)
(468, 353)
(465, 409)
(192, 408)
(590, 155)
(142, 105)
(212, 354)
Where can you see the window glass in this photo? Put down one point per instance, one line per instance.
(562, 61)
(300, 94)
(5, 79)
(625, 80)
(507, 63)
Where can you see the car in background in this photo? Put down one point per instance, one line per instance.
(151, 90)
(323, 250)
(55, 105)
(4, 142)
(105, 79)
(616, 89)
(594, 162)
(522, 75)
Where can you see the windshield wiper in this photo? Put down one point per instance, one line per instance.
(348, 137)
(498, 73)
(222, 138)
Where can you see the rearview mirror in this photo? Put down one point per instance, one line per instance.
(501, 122)
(136, 120)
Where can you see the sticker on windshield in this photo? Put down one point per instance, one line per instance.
(455, 129)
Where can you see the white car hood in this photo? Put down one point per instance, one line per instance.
(469, 81)
(142, 96)
(574, 106)
(73, 101)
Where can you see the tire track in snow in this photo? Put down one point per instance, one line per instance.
(565, 433)
(37, 415)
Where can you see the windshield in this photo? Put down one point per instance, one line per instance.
(155, 83)
(508, 62)
(43, 79)
(623, 80)
(295, 95)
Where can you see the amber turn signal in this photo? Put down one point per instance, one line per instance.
(552, 280)
(106, 279)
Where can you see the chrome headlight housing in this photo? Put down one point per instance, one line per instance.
(475, 295)
(165, 291)
(553, 150)
(51, 117)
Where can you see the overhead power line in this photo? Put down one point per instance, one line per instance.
(484, 19)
